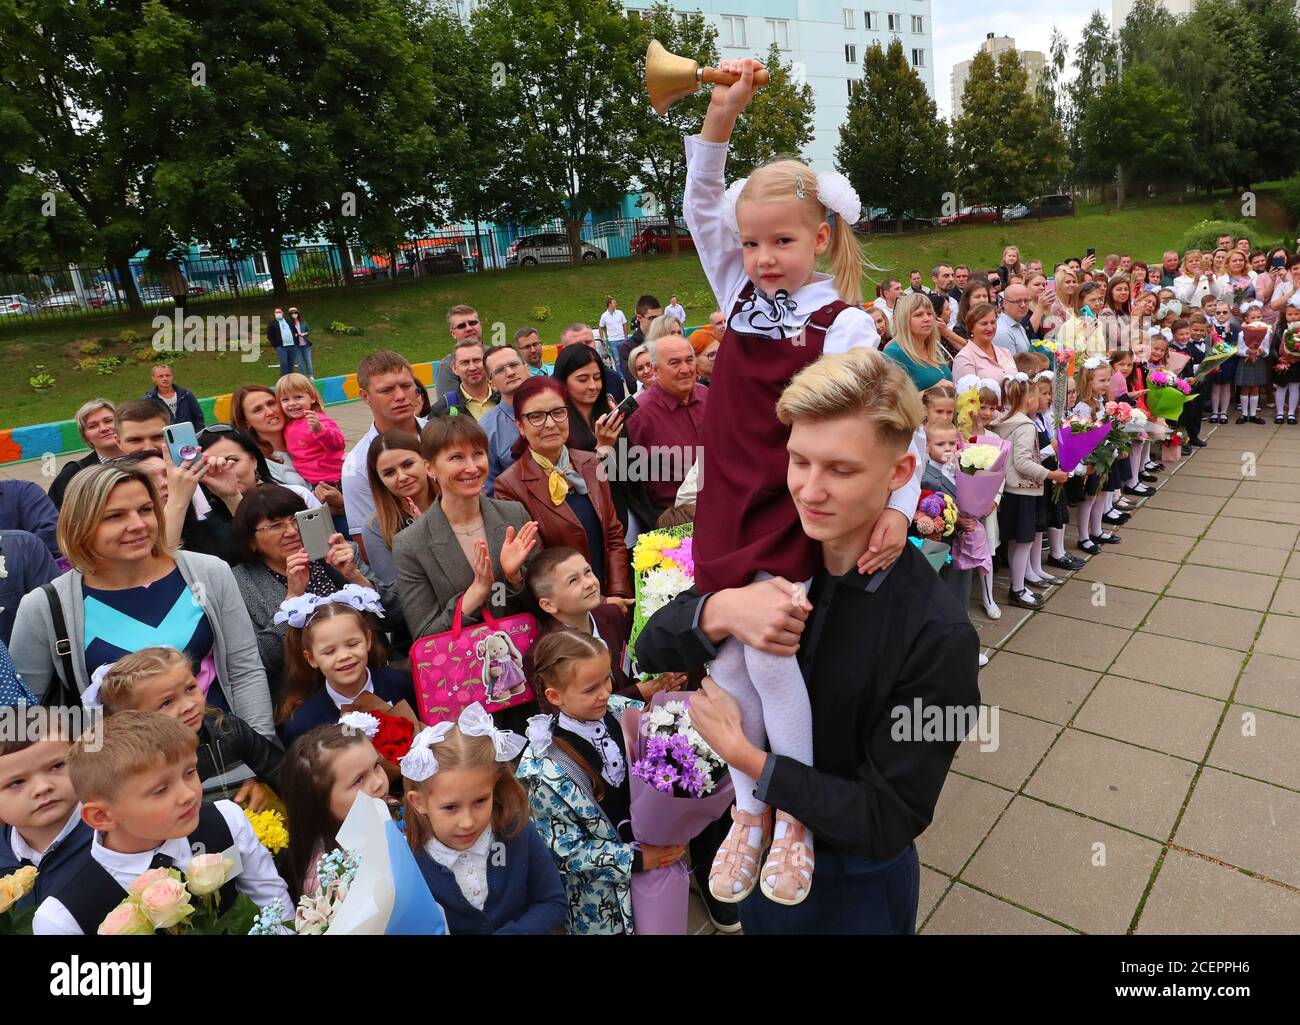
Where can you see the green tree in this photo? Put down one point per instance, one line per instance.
(778, 121)
(571, 76)
(1279, 110)
(656, 146)
(975, 133)
(1137, 123)
(1096, 62)
(893, 146)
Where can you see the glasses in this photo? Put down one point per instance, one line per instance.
(464, 324)
(215, 429)
(507, 366)
(272, 528)
(559, 415)
(1015, 302)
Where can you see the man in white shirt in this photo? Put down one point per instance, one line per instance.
(674, 309)
(387, 385)
(887, 293)
(613, 328)
(1011, 334)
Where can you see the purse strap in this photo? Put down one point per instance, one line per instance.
(62, 648)
(458, 616)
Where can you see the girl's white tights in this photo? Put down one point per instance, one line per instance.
(1220, 397)
(1036, 558)
(1056, 536)
(1284, 392)
(1084, 517)
(1018, 556)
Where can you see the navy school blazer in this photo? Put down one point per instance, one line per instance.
(392, 685)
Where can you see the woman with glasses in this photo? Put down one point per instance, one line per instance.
(274, 566)
(562, 489)
(129, 589)
(468, 550)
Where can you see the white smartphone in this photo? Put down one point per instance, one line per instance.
(315, 527)
(182, 442)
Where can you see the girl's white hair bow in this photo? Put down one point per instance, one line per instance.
(90, 696)
(1022, 377)
(970, 382)
(988, 384)
(1093, 362)
(834, 192)
(420, 762)
(1044, 375)
(539, 733)
(297, 611)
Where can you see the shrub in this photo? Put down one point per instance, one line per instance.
(1290, 198)
(1203, 234)
(128, 337)
(541, 313)
(310, 277)
(144, 354)
(105, 365)
(339, 328)
(89, 363)
(90, 348)
(40, 380)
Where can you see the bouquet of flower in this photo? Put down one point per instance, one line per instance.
(160, 901)
(1220, 352)
(269, 828)
(664, 567)
(936, 515)
(1167, 394)
(1077, 440)
(983, 466)
(678, 786)
(391, 728)
(16, 921)
(1288, 352)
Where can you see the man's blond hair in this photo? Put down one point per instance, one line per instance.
(129, 743)
(860, 382)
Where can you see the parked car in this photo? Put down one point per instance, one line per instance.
(11, 305)
(972, 215)
(1057, 205)
(655, 239)
(879, 220)
(67, 301)
(548, 247)
(447, 260)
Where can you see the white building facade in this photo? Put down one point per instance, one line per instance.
(995, 46)
(826, 43)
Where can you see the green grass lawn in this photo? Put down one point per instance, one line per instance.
(411, 317)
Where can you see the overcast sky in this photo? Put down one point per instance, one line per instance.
(960, 26)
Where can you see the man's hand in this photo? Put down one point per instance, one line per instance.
(761, 615)
(886, 544)
(716, 715)
(253, 795)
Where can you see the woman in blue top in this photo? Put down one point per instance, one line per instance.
(916, 346)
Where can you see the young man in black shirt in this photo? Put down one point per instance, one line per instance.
(878, 652)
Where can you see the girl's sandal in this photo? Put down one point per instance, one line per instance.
(736, 861)
(790, 861)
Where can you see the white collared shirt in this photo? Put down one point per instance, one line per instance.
(339, 700)
(257, 876)
(23, 851)
(469, 866)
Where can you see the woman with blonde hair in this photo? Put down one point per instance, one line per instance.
(916, 346)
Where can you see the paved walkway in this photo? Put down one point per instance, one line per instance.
(1147, 777)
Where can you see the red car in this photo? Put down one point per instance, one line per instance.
(654, 239)
(972, 215)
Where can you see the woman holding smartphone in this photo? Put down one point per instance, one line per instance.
(275, 565)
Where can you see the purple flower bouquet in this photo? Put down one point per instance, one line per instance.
(678, 786)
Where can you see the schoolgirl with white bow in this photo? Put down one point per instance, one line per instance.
(759, 242)
(467, 823)
(1094, 386)
(575, 768)
(235, 761)
(334, 656)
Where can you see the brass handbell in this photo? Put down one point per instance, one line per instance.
(668, 77)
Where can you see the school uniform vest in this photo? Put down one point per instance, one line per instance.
(92, 892)
(58, 867)
(745, 520)
(617, 801)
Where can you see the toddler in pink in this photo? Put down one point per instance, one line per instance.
(313, 439)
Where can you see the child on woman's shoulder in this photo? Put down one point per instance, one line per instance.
(161, 679)
(576, 770)
(467, 822)
(334, 660)
(313, 439)
(137, 778)
(42, 828)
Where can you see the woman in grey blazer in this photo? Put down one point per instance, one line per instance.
(466, 547)
(128, 590)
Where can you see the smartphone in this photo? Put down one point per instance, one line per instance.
(182, 442)
(315, 526)
(627, 407)
(1278, 261)
(1092, 251)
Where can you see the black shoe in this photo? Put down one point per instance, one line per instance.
(1109, 539)
(1047, 581)
(724, 917)
(1242, 419)
(1291, 420)
(1026, 599)
(1154, 467)
(1089, 546)
(1279, 419)
(1068, 563)
(1140, 490)
(1199, 443)
(1257, 420)
(1037, 585)
(1148, 478)
(1117, 519)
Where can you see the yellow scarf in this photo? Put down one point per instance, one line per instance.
(555, 482)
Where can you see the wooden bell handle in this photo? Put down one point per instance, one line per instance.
(715, 77)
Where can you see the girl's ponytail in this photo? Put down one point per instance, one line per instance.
(844, 258)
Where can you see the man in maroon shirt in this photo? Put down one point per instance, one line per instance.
(666, 431)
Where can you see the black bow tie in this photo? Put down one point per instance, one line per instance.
(161, 860)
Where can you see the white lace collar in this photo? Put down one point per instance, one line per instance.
(613, 767)
(783, 314)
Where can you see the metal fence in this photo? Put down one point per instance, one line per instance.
(88, 290)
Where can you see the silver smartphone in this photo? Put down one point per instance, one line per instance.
(315, 527)
(182, 442)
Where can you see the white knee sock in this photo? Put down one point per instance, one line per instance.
(1254, 404)
(730, 672)
(1056, 535)
(787, 713)
(1293, 393)
(1244, 400)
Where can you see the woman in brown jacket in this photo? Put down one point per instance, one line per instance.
(561, 487)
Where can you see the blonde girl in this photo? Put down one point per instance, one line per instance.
(468, 826)
(760, 241)
(313, 439)
(940, 403)
(1094, 387)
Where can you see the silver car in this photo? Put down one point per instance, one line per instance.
(549, 247)
(15, 304)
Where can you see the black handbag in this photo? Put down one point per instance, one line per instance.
(60, 692)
